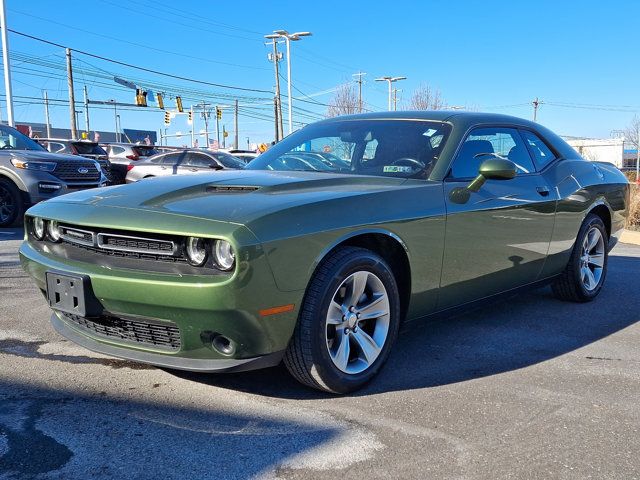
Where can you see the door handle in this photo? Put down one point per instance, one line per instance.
(544, 191)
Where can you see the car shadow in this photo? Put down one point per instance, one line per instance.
(513, 333)
(65, 432)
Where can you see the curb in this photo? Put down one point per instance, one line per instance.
(629, 236)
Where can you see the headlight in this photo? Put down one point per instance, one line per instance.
(224, 255)
(42, 166)
(53, 230)
(38, 228)
(196, 251)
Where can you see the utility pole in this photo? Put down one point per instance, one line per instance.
(72, 97)
(359, 82)
(86, 111)
(395, 99)
(235, 125)
(289, 37)
(536, 103)
(46, 113)
(275, 57)
(193, 128)
(206, 123)
(5, 61)
(217, 127)
(275, 115)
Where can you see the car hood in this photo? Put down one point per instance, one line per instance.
(237, 196)
(40, 155)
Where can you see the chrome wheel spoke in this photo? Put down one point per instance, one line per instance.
(590, 280)
(593, 238)
(341, 356)
(368, 345)
(597, 259)
(335, 315)
(358, 284)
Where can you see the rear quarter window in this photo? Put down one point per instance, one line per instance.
(542, 154)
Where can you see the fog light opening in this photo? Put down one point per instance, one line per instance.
(223, 345)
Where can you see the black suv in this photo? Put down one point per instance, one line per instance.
(30, 174)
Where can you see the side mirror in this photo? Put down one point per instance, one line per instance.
(493, 169)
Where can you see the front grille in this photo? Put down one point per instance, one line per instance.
(126, 243)
(77, 235)
(162, 335)
(74, 171)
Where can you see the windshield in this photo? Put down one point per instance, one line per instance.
(145, 151)
(11, 139)
(87, 148)
(228, 161)
(397, 148)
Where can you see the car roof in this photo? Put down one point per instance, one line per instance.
(452, 116)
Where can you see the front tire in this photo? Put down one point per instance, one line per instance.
(584, 275)
(348, 322)
(11, 204)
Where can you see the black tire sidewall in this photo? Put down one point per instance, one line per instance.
(329, 375)
(590, 222)
(17, 196)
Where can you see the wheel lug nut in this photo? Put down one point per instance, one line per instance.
(346, 331)
(351, 309)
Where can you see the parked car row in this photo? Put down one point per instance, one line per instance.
(32, 171)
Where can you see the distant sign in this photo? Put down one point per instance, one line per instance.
(124, 82)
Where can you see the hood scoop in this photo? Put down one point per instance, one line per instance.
(230, 189)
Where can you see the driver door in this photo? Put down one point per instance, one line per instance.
(498, 238)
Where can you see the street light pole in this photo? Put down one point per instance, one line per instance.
(390, 80)
(289, 37)
(5, 62)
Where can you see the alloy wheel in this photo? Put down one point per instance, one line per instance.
(7, 204)
(357, 323)
(592, 259)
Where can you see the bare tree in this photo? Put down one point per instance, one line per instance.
(631, 132)
(344, 101)
(424, 98)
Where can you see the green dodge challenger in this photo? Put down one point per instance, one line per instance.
(323, 246)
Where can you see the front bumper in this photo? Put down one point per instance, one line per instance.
(201, 306)
(43, 185)
(179, 363)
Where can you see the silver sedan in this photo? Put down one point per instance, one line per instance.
(181, 163)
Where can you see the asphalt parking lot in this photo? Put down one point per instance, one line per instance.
(530, 387)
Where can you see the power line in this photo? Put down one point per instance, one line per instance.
(136, 67)
(140, 45)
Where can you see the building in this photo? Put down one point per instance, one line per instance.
(600, 150)
(39, 130)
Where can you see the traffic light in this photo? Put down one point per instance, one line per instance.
(218, 113)
(167, 118)
(190, 118)
(179, 104)
(141, 97)
(160, 101)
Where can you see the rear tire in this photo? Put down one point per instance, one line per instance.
(348, 322)
(584, 275)
(11, 203)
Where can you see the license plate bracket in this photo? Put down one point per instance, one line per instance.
(72, 294)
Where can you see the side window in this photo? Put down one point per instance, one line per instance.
(542, 155)
(198, 160)
(485, 143)
(116, 150)
(170, 159)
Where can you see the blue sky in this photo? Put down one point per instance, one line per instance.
(576, 56)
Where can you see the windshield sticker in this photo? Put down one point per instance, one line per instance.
(429, 132)
(397, 169)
